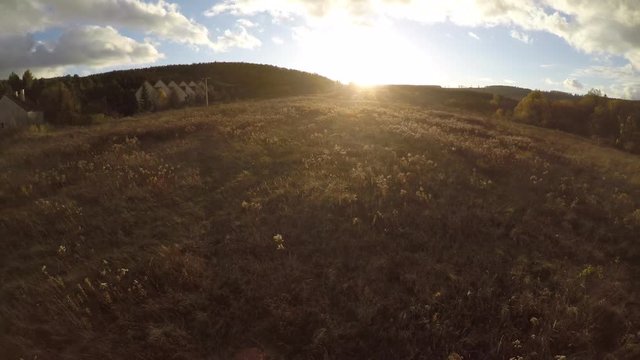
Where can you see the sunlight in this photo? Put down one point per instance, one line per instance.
(365, 55)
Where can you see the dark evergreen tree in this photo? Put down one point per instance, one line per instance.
(15, 82)
(145, 102)
(60, 105)
(27, 80)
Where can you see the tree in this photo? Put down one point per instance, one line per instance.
(145, 102)
(595, 92)
(60, 105)
(15, 82)
(568, 115)
(129, 104)
(27, 80)
(534, 109)
(37, 88)
(629, 136)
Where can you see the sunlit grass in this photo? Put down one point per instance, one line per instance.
(318, 227)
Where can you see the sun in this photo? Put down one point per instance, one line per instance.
(365, 55)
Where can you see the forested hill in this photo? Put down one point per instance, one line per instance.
(252, 80)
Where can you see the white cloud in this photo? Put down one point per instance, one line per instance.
(624, 81)
(551, 82)
(91, 33)
(246, 23)
(593, 26)
(161, 18)
(281, 9)
(277, 40)
(573, 84)
(92, 46)
(520, 36)
(626, 91)
(608, 72)
(238, 37)
(473, 35)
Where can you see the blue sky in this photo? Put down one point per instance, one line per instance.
(568, 45)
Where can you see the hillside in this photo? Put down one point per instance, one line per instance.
(253, 80)
(317, 228)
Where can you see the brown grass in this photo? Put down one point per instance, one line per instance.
(316, 228)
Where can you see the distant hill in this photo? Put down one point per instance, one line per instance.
(518, 93)
(252, 80)
(511, 92)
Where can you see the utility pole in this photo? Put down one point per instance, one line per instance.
(206, 90)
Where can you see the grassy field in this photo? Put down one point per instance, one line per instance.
(317, 228)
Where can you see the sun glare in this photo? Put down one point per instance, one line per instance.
(365, 55)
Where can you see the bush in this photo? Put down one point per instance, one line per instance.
(534, 109)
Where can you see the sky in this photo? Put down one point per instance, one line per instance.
(566, 45)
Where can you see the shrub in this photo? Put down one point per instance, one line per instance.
(534, 109)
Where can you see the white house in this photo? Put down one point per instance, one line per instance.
(163, 96)
(191, 95)
(152, 95)
(160, 86)
(15, 112)
(198, 89)
(176, 91)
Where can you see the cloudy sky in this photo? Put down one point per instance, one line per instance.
(569, 45)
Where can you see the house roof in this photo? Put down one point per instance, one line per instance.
(151, 91)
(174, 87)
(24, 105)
(159, 83)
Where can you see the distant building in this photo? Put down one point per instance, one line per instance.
(198, 89)
(177, 93)
(191, 94)
(162, 87)
(162, 96)
(151, 96)
(16, 112)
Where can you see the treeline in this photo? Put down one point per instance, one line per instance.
(454, 98)
(613, 121)
(76, 100)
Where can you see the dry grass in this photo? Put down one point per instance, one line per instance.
(316, 228)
